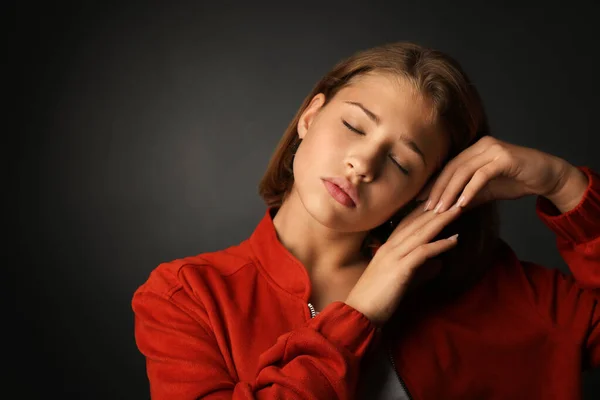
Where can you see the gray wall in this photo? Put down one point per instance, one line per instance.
(142, 133)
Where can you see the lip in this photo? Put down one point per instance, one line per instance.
(348, 190)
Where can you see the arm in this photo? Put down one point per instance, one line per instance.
(569, 204)
(573, 302)
(317, 361)
(578, 228)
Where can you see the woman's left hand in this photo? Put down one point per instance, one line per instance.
(492, 169)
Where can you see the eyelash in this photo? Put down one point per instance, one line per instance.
(353, 129)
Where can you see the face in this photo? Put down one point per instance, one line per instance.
(377, 133)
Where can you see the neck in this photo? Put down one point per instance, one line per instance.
(319, 248)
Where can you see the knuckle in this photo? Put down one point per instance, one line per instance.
(497, 148)
(420, 251)
(384, 249)
(418, 232)
(505, 158)
(504, 154)
(462, 172)
(481, 174)
(488, 140)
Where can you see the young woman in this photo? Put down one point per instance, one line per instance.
(355, 283)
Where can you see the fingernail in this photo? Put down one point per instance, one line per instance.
(427, 205)
(453, 237)
(437, 207)
(459, 202)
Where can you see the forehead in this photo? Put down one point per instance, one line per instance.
(393, 98)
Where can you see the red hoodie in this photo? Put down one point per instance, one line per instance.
(234, 324)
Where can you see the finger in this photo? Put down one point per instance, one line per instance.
(427, 232)
(422, 253)
(420, 198)
(496, 160)
(462, 175)
(413, 221)
(425, 192)
(417, 212)
(480, 179)
(423, 230)
(449, 169)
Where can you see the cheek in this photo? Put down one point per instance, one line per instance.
(389, 196)
(309, 162)
(323, 147)
(386, 194)
(331, 137)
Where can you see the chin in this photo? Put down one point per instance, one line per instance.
(328, 212)
(324, 210)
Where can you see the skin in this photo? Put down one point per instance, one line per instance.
(319, 231)
(326, 236)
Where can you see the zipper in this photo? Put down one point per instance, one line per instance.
(391, 356)
(313, 313)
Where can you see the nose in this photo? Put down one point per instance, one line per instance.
(363, 166)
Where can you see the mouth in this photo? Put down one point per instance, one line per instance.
(341, 191)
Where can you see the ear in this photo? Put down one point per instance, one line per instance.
(309, 114)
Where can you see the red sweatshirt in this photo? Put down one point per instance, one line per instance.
(234, 324)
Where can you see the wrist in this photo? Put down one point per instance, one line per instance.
(570, 187)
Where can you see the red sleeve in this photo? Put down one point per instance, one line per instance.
(573, 302)
(578, 232)
(320, 360)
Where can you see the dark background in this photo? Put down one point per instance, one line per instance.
(142, 130)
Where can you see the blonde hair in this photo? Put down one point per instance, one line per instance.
(459, 112)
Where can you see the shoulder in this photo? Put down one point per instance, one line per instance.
(194, 272)
(527, 282)
(510, 267)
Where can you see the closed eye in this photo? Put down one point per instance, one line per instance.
(355, 130)
(404, 170)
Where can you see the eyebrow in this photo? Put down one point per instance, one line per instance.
(403, 138)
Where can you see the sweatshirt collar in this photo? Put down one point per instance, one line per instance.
(285, 270)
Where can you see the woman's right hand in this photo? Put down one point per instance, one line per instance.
(383, 283)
